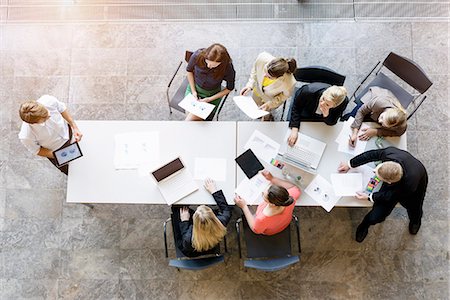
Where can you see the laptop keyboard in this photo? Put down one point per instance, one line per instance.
(301, 155)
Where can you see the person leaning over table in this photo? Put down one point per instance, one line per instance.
(206, 70)
(405, 181)
(382, 107)
(274, 214)
(200, 234)
(271, 80)
(318, 101)
(47, 126)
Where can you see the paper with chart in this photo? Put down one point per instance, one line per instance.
(136, 150)
(214, 168)
(322, 192)
(344, 135)
(264, 147)
(198, 108)
(251, 189)
(346, 184)
(249, 107)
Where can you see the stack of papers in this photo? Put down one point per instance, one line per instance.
(249, 107)
(346, 184)
(251, 190)
(344, 136)
(136, 150)
(322, 192)
(192, 105)
(264, 147)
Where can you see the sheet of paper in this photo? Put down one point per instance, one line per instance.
(214, 168)
(366, 173)
(264, 147)
(346, 184)
(344, 135)
(249, 107)
(251, 189)
(322, 192)
(192, 105)
(136, 149)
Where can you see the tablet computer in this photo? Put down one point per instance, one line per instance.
(67, 154)
(249, 163)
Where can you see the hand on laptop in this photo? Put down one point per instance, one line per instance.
(210, 185)
(184, 214)
(292, 139)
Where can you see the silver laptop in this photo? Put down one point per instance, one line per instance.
(305, 154)
(174, 181)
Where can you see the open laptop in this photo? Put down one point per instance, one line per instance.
(305, 154)
(174, 181)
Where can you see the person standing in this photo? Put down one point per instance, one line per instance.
(404, 180)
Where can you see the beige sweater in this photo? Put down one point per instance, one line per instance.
(275, 93)
(376, 100)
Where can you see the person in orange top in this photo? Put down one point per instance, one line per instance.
(274, 214)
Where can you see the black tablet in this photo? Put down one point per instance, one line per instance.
(249, 163)
(67, 154)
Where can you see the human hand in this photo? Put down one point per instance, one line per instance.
(361, 196)
(245, 91)
(292, 139)
(184, 214)
(206, 99)
(240, 202)
(324, 109)
(267, 175)
(265, 107)
(77, 134)
(343, 167)
(367, 133)
(194, 93)
(352, 140)
(210, 185)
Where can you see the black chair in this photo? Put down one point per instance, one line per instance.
(405, 69)
(316, 74)
(181, 261)
(268, 252)
(179, 93)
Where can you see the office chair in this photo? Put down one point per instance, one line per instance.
(179, 93)
(405, 69)
(316, 74)
(181, 261)
(268, 252)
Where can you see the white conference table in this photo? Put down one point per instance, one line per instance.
(94, 179)
(330, 159)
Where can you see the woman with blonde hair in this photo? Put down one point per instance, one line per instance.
(206, 70)
(382, 107)
(271, 81)
(317, 101)
(201, 234)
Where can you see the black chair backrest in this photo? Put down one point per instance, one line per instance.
(319, 74)
(187, 55)
(409, 71)
(266, 246)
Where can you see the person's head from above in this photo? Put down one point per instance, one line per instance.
(33, 112)
(207, 230)
(279, 66)
(389, 172)
(333, 96)
(392, 116)
(277, 196)
(215, 56)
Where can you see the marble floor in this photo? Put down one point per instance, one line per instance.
(53, 250)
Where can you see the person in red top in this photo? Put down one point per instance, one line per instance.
(274, 214)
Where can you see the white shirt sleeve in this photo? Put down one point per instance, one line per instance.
(52, 103)
(31, 145)
(349, 165)
(370, 197)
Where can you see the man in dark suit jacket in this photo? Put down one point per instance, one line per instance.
(404, 181)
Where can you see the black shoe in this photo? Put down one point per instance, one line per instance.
(361, 233)
(414, 227)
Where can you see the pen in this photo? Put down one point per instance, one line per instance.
(352, 143)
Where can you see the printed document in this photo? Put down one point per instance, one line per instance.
(263, 146)
(322, 192)
(214, 168)
(344, 136)
(198, 108)
(346, 184)
(249, 107)
(251, 189)
(135, 149)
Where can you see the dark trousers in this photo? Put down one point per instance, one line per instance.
(413, 206)
(65, 168)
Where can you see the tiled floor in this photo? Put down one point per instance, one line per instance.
(50, 249)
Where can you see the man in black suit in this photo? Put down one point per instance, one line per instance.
(404, 181)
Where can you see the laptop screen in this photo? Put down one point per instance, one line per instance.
(168, 169)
